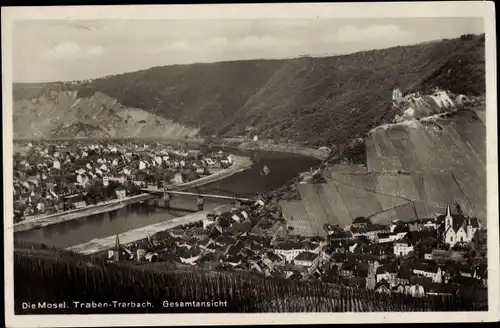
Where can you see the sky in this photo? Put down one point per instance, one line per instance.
(66, 50)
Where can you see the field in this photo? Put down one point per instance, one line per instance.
(443, 162)
(384, 217)
(316, 212)
(400, 186)
(296, 216)
(353, 190)
(339, 209)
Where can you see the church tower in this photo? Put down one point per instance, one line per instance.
(448, 219)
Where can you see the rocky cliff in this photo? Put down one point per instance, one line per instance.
(66, 114)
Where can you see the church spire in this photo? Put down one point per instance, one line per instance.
(448, 212)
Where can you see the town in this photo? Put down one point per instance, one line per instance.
(442, 255)
(54, 177)
(445, 255)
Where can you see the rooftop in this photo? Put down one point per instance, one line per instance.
(306, 256)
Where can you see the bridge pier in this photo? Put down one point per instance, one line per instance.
(199, 203)
(237, 203)
(166, 199)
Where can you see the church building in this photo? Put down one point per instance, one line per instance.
(457, 228)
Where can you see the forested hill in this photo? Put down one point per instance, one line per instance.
(318, 101)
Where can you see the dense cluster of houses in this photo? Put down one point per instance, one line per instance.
(232, 240)
(422, 257)
(51, 177)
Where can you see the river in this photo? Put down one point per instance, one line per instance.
(282, 167)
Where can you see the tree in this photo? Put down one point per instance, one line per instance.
(479, 240)
(96, 192)
(111, 189)
(132, 189)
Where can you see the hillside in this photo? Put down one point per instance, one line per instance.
(409, 169)
(316, 101)
(66, 114)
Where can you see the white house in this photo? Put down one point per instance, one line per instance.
(80, 204)
(80, 171)
(178, 178)
(40, 206)
(430, 224)
(56, 165)
(210, 161)
(83, 180)
(289, 250)
(236, 218)
(307, 259)
(403, 247)
(387, 273)
(121, 194)
(415, 290)
(120, 179)
(209, 220)
(393, 225)
(397, 95)
(428, 270)
(386, 237)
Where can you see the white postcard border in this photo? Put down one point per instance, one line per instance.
(274, 11)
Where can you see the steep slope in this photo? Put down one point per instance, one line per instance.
(198, 95)
(317, 101)
(60, 113)
(327, 99)
(410, 168)
(415, 167)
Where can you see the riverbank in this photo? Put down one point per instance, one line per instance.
(245, 144)
(108, 206)
(240, 163)
(238, 143)
(103, 244)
